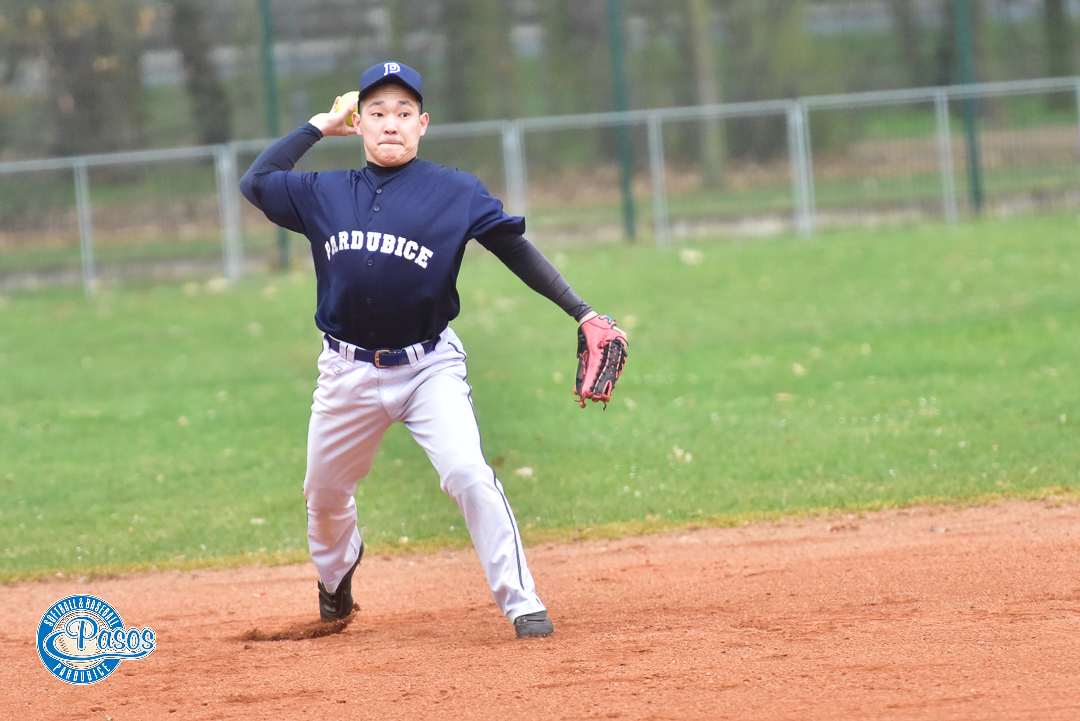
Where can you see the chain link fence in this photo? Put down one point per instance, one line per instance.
(752, 169)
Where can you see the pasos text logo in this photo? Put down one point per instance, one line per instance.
(82, 639)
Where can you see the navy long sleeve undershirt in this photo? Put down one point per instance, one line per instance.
(530, 265)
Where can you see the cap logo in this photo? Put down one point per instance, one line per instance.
(390, 68)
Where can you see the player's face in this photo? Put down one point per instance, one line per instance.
(391, 124)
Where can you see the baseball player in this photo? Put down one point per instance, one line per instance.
(387, 242)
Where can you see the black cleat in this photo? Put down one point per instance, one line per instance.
(534, 625)
(339, 604)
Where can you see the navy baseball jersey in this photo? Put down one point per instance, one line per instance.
(387, 242)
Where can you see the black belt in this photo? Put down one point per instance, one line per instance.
(383, 358)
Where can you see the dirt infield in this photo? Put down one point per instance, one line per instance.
(927, 613)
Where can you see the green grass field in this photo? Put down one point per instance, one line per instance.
(166, 426)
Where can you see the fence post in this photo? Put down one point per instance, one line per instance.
(808, 168)
(945, 157)
(659, 180)
(86, 226)
(799, 165)
(1078, 111)
(232, 248)
(514, 167)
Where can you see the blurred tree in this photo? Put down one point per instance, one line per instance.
(398, 18)
(708, 89)
(578, 66)
(504, 60)
(209, 104)
(463, 47)
(659, 35)
(945, 59)
(480, 79)
(1059, 52)
(982, 32)
(573, 75)
(93, 75)
(911, 41)
(769, 56)
(16, 47)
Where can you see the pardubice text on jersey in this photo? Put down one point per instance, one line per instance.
(381, 242)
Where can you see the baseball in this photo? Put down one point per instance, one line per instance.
(343, 101)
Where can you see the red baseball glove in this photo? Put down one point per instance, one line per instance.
(602, 351)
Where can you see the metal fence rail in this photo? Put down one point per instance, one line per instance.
(856, 177)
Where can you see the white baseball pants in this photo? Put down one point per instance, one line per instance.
(354, 404)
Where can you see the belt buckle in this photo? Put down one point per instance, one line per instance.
(377, 363)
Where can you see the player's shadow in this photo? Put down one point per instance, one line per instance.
(302, 631)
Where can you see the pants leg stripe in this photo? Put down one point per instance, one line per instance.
(510, 514)
(494, 478)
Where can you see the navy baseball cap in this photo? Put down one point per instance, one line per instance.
(390, 73)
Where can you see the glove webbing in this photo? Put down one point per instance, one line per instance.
(604, 371)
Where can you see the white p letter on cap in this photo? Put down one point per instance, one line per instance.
(391, 68)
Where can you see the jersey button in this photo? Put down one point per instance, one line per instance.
(376, 209)
(368, 301)
(371, 262)
(378, 190)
